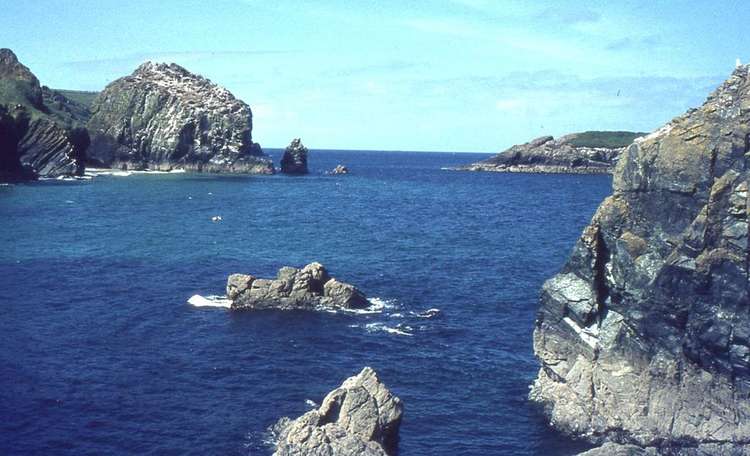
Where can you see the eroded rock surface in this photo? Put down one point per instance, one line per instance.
(37, 139)
(309, 288)
(361, 417)
(294, 160)
(164, 117)
(644, 337)
(549, 155)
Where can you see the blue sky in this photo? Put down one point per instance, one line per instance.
(453, 75)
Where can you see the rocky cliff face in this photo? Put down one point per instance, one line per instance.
(38, 140)
(294, 160)
(362, 417)
(164, 117)
(549, 155)
(644, 337)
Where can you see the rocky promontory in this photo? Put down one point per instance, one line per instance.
(294, 160)
(361, 417)
(36, 138)
(593, 152)
(309, 288)
(163, 117)
(644, 336)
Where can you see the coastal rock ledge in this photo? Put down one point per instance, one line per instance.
(309, 288)
(644, 337)
(361, 417)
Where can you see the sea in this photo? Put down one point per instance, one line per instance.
(101, 353)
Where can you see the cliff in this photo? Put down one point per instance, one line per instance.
(593, 152)
(163, 117)
(41, 133)
(644, 336)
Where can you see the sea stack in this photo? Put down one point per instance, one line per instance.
(361, 417)
(644, 337)
(309, 288)
(38, 138)
(294, 160)
(590, 152)
(163, 117)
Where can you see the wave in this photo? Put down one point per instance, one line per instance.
(399, 330)
(210, 301)
(93, 172)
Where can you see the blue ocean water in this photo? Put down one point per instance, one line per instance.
(100, 353)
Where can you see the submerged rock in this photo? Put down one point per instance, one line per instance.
(644, 337)
(361, 417)
(294, 160)
(163, 117)
(308, 288)
(36, 138)
(578, 153)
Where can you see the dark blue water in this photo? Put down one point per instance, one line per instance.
(100, 354)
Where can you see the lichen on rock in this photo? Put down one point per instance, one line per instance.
(644, 336)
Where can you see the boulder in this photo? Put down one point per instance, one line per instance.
(361, 417)
(309, 288)
(644, 336)
(294, 160)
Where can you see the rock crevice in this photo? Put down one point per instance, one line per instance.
(643, 337)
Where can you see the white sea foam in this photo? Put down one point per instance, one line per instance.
(310, 403)
(377, 306)
(210, 301)
(382, 327)
(429, 313)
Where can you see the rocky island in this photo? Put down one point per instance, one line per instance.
(41, 131)
(309, 288)
(163, 117)
(361, 417)
(591, 152)
(294, 160)
(644, 337)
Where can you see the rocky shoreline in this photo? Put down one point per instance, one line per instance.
(576, 153)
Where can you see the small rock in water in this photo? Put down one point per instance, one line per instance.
(361, 417)
(339, 169)
(309, 288)
(294, 160)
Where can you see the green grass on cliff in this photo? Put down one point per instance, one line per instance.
(609, 139)
(79, 96)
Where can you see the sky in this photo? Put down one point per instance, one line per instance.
(452, 75)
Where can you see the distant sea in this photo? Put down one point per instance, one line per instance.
(100, 354)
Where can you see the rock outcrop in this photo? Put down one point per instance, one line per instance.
(163, 117)
(309, 288)
(294, 160)
(644, 337)
(361, 417)
(339, 169)
(579, 153)
(37, 139)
